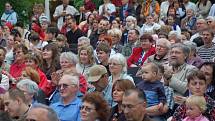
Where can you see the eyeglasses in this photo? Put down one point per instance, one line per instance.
(130, 106)
(63, 86)
(87, 109)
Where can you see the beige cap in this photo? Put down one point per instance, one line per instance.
(96, 72)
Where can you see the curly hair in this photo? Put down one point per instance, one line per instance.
(100, 104)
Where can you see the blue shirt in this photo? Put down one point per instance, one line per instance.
(69, 112)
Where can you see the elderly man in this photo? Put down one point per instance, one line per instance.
(179, 70)
(15, 104)
(67, 108)
(161, 52)
(41, 112)
(134, 105)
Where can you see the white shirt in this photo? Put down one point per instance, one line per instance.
(109, 7)
(163, 9)
(69, 10)
(4, 82)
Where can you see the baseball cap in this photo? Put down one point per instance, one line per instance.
(96, 72)
(43, 18)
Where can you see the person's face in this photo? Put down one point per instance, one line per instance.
(50, 36)
(71, 24)
(193, 111)
(102, 56)
(161, 49)
(101, 84)
(170, 20)
(44, 25)
(132, 36)
(177, 57)
(2, 55)
(210, 21)
(171, 12)
(12, 107)
(35, 9)
(117, 94)
(30, 63)
(91, 18)
(149, 19)
(115, 39)
(189, 12)
(47, 54)
(133, 108)
(84, 58)
(115, 24)
(8, 7)
(10, 40)
(148, 74)
(65, 64)
(60, 43)
(95, 24)
(183, 38)
(88, 111)
(208, 72)
(19, 55)
(6, 29)
(145, 44)
(197, 86)
(37, 114)
(129, 23)
(200, 24)
(66, 88)
(115, 67)
(103, 26)
(207, 37)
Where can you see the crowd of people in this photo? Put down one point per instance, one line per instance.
(127, 60)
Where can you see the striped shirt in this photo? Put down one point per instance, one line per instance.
(206, 54)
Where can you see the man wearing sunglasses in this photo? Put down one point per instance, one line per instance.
(67, 108)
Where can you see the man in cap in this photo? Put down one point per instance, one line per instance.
(98, 77)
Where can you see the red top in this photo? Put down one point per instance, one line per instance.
(16, 69)
(82, 84)
(136, 54)
(89, 6)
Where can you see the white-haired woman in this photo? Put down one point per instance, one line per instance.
(32, 92)
(118, 68)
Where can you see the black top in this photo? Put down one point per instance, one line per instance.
(116, 115)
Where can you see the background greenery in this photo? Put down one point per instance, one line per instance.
(22, 7)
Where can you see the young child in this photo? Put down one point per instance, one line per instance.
(153, 88)
(196, 105)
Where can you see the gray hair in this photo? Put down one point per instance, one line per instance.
(52, 116)
(183, 47)
(121, 60)
(165, 42)
(73, 79)
(191, 45)
(30, 85)
(83, 38)
(131, 18)
(69, 56)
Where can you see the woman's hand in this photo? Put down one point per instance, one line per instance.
(180, 99)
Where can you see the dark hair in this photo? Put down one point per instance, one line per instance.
(196, 74)
(147, 36)
(171, 7)
(16, 33)
(204, 3)
(2, 48)
(35, 57)
(136, 31)
(103, 47)
(53, 30)
(212, 65)
(100, 104)
(34, 37)
(123, 84)
(141, 95)
(55, 57)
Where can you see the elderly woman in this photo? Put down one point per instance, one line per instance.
(32, 92)
(118, 68)
(86, 60)
(140, 54)
(83, 41)
(116, 35)
(189, 21)
(197, 86)
(180, 69)
(94, 108)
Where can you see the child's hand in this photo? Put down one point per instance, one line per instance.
(180, 99)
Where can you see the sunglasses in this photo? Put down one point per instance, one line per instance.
(87, 109)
